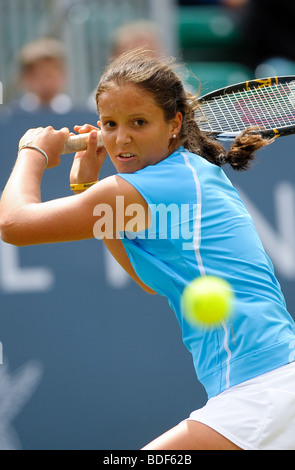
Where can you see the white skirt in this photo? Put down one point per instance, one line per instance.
(256, 415)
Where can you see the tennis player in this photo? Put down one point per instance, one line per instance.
(163, 160)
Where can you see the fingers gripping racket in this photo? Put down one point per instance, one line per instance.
(268, 104)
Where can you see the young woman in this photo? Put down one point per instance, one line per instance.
(164, 161)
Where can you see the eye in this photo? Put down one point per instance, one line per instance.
(139, 122)
(109, 124)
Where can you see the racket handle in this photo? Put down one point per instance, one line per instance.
(76, 143)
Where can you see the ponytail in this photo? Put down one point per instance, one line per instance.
(242, 151)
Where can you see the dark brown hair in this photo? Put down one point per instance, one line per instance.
(160, 80)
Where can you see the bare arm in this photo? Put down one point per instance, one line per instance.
(116, 248)
(26, 220)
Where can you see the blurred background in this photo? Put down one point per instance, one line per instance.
(87, 359)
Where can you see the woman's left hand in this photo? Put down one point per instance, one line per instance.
(87, 164)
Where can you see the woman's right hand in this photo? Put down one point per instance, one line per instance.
(50, 140)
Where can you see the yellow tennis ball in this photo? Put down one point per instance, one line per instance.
(207, 301)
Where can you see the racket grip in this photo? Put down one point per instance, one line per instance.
(76, 143)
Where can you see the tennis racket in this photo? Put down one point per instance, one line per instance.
(267, 103)
(76, 143)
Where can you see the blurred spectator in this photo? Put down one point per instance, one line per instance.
(269, 37)
(136, 34)
(43, 77)
(140, 33)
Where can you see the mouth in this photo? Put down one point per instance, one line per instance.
(124, 157)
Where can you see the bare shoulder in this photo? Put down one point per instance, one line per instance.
(113, 186)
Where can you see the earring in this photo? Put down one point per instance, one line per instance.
(174, 136)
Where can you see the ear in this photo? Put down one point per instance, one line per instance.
(176, 124)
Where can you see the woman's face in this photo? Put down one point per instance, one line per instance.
(134, 130)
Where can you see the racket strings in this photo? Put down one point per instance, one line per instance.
(276, 107)
(266, 107)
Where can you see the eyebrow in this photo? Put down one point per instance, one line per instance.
(140, 113)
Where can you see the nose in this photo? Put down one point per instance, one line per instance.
(123, 137)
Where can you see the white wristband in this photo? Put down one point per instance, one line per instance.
(33, 147)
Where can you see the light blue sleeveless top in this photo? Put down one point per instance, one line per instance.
(200, 227)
